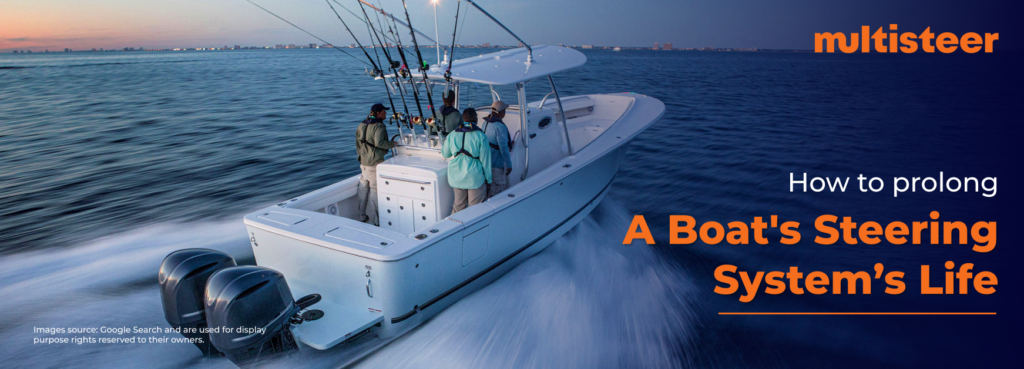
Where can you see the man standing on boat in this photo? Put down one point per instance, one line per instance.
(501, 143)
(449, 117)
(372, 144)
(469, 170)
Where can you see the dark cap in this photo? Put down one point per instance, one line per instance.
(378, 108)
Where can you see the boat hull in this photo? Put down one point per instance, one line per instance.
(409, 291)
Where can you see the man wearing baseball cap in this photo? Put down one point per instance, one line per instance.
(372, 144)
(501, 145)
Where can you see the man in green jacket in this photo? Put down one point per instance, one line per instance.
(469, 170)
(372, 144)
(448, 119)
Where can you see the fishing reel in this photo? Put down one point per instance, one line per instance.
(425, 67)
(375, 73)
(419, 121)
(398, 117)
(404, 72)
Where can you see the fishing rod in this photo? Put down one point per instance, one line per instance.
(451, 59)
(392, 27)
(376, 70)
(370, 34)
(422, 66)
(307, 32)
(391, 65)
(405, 64)
(397, 66)
(381, 11)
(367, 26)
(384, 22)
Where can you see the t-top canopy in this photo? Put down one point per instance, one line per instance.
(509, 66)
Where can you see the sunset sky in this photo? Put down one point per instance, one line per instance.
(785, 24)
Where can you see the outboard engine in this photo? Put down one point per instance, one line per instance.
(182, 278)
(251, 310)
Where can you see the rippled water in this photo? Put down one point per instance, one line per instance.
(110, 161)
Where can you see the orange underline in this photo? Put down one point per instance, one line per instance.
(857, 313)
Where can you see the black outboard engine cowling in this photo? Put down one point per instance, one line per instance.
(182, 278)
(242, 298)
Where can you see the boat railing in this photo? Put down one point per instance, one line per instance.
(545, 99)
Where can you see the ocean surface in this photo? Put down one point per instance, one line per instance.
(109, 161)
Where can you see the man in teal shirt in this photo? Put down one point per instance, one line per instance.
(469, 170)
(501, 147)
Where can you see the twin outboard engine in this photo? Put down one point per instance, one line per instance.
(182, 278)
(245, 299)
(249, 310)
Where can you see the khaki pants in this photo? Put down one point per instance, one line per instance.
(368, 195)
(472, 197)
(499, 182)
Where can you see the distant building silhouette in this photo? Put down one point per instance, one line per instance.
(667, 46)
(656, 46)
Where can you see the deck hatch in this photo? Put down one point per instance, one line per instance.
(356, 236)
(284, 219)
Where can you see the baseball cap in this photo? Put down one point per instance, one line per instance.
(499, 106)
(377, 108)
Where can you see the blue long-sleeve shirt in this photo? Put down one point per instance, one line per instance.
(498, 138)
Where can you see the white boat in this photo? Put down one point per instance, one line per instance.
(422, 259)
(375, 283)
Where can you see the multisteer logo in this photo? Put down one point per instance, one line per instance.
(907, 42)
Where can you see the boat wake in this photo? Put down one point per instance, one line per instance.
(585, 302)
(109, 282)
